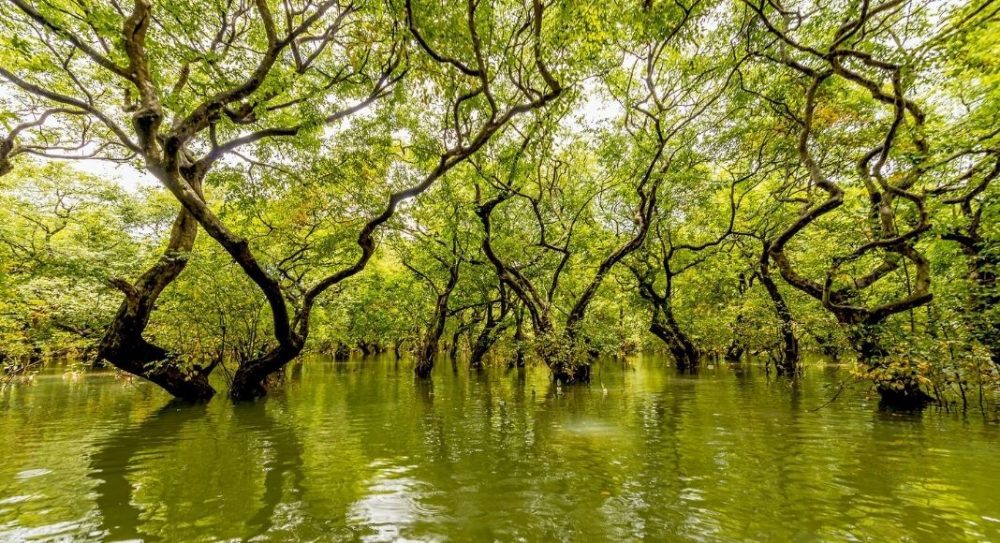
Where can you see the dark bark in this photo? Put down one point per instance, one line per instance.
(123, 344)
(664, 326)
(164, 148)
(251, 379)
(787, 360)
(519, 340)
(559, 353)
(736, 348)
(496, 322)
(861, 321)
(455, 345)
(366, 348)
(291, 339)
(568, 372)
(342, 352)
(456, 337)
(896, 391)
(737, 345)
(485, 341)
(430, 344)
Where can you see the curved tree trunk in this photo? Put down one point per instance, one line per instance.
(251, 378)
(123, 344)
(896, 390)
(429, 347)
(491, 331)
(787, 362)
(664, 326)
(484, 342)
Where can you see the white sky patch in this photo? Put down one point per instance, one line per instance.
(124, 175)
(597, 109)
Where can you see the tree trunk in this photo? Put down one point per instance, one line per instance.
(896, 391)
(488, 336)
(568, 373)
(736, 348)
(123, 345)
(250, 378)
(664, 326)
(429, 347)
(518, 360)
(425, 356)
(787, 362)
(342, 352)
(366, 348)
(456, 337)
(484, 342)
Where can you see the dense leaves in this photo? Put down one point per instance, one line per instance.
(502, 181)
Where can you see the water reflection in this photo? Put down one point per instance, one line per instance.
(148, 483)
(281, 500)
(393, 502)
(361, 451)
(112, 463)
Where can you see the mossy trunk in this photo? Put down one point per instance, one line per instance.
(123, 344)
(251, 378)
(664, 326)
(896, 390)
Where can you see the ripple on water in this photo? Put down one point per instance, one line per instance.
(394, 501)
(361, 451)
(32, 473)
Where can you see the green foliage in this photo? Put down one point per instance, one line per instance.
(701, 109)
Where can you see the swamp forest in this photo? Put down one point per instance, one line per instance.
(499, 270)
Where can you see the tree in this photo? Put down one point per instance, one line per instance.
(250, 110)
(890, 165)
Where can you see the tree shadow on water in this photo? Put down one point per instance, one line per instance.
(285, 465)
(110, 466)
(122, 517)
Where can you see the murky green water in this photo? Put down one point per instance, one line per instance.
(358, 451)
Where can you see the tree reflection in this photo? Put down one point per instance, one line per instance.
(110, 466)
(283, 466)
(252, 442)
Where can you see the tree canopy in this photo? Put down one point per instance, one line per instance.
(515, 180)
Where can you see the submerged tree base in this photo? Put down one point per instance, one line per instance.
(143, 359)
(570, 374)
(902, 396)
(251, 379)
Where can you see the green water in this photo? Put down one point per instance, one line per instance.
(359, 451)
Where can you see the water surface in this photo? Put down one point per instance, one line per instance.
(360, 451)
